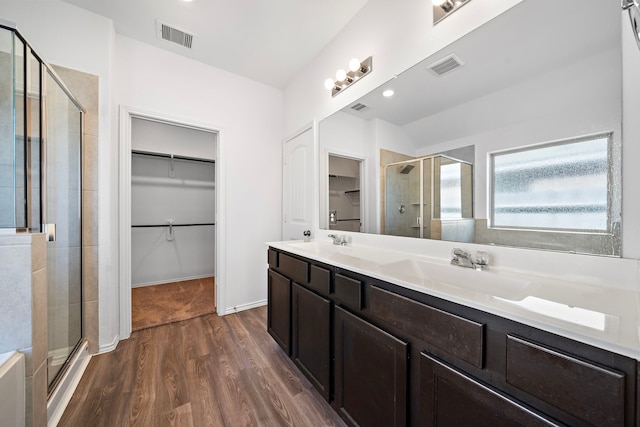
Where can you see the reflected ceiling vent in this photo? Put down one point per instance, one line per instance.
(359, 107)
(446, 65)
(173, 34)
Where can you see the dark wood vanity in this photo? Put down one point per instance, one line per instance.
(384, 355)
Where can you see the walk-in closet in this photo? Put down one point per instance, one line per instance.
(172, 222)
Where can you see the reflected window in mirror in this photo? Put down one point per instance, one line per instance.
(559, 186)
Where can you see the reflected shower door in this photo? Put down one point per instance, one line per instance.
(403, 201)
(62, 214)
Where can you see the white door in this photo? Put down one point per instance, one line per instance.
(298, 185)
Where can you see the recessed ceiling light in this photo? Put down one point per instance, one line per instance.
(387, 93)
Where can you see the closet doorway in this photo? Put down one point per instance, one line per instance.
(173, 224)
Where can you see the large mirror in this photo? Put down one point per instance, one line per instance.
(527, 107)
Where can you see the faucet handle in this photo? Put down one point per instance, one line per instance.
(482, 260)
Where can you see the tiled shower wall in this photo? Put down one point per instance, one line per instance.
(7, 207)
(23, 314)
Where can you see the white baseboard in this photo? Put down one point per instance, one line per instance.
(243, 307)
(61, 396)
(176, 279)
(106, 348)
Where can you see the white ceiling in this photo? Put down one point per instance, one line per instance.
(267, 41)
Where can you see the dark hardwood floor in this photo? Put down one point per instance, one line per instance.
(206, 371)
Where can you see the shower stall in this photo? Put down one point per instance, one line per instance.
(429, 197)
(41, 125)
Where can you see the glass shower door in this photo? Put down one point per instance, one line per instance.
(62, 217)
(403, 201)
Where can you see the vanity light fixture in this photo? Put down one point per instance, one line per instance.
(344, 79)
(443, 8)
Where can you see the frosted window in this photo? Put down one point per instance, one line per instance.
(450, 191)
(559, 186)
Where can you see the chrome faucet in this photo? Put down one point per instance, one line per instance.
(339, 240)
(464, 259)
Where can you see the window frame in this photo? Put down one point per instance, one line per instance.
(614, 197)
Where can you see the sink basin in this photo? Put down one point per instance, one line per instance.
(313, 246)
(349, 254)
(447, 277)
(491, 282)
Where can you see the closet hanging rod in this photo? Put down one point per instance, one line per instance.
(173, 225)
(168, 156)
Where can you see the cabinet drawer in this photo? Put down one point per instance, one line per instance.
(452, 334)
(320, 280)
(348, 291)
(587, 391)
(272, 258)
(295, 269)
(452, 398)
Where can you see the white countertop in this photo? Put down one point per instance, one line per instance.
(601, 315)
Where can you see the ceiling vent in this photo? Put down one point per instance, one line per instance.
(359, 107)
(174, 35)
(446, 65)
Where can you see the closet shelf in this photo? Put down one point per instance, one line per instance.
(171, 156)
(353, 196)
(173, 225)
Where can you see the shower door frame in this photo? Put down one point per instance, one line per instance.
(44, 217)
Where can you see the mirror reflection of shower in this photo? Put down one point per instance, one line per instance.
(345, 209)
(429, 197)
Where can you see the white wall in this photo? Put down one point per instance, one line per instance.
(164, 138)
(249, 116)
(393, 138)
(631, 136)
(65, 35)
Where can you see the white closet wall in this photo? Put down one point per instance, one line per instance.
(178, 190)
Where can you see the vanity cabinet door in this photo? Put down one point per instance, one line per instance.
(311, 337)
(370, 373)
(449, 397)
(279, 310)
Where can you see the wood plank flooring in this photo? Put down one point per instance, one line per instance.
(171, 302)
(206, 371)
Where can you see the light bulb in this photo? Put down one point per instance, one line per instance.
(354, 64)
(328, 84)
(387, 93)
(341, 75)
